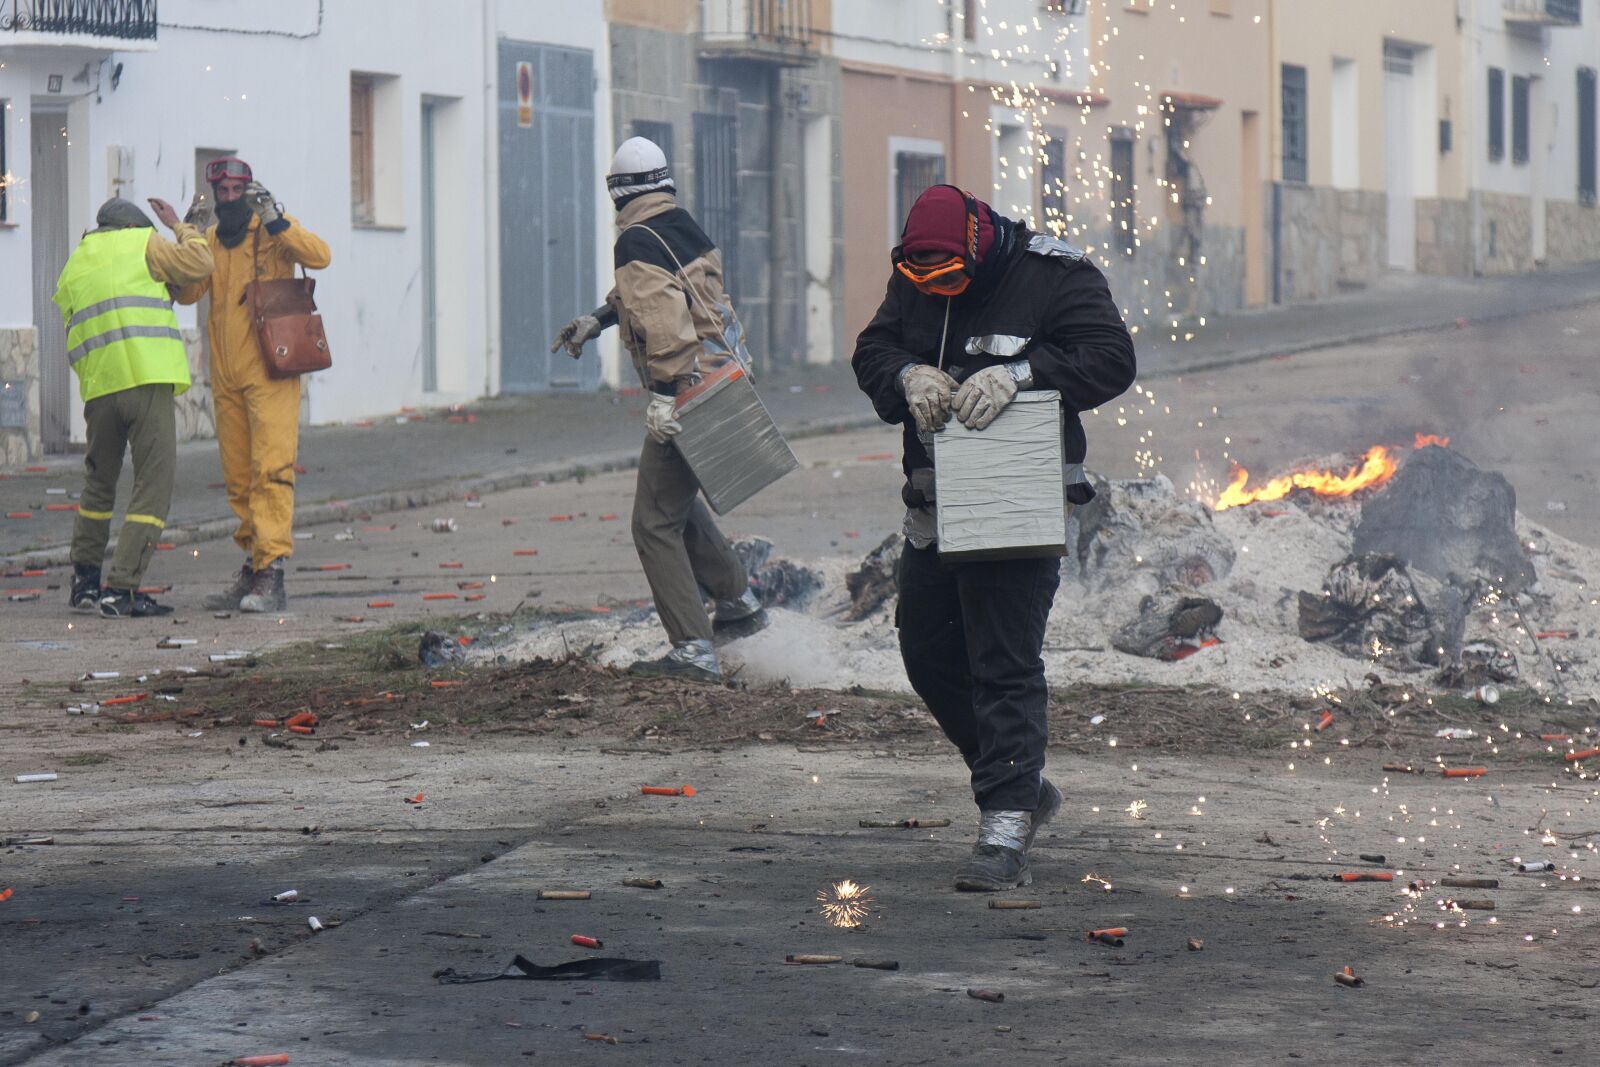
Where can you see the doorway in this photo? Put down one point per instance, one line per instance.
(51, 247)
(1399, 137)
(430, 249)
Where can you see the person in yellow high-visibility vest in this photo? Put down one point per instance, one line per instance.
(124, 345)
(258, 418)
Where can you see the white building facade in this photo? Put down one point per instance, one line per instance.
(452, 164)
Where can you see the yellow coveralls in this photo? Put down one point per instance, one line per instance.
(258, 418)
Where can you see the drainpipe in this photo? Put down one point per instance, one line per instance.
(491, 196)
(1274, 133)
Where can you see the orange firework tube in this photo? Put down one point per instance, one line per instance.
(1366, 876)
(1555, 737)
(380, 603)
(450, 565)
(1467, 772)
(132, 699)
(444, 683)
(525, 552)
(1347, 977)
(439, 596)
(303, 718)
(269, 723)
(469, 585)
(667, 790)
(587, 942)
(306, 730)
(277, 1059)
(1588, 753)
(1325, 722)
(475, 596)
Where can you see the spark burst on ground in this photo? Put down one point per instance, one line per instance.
(845, 904)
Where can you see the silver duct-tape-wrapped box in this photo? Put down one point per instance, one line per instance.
(729, 440)
(999, 491)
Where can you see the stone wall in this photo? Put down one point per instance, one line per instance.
(195, 417)
(1218, 283)
(1444, 237)
(1505, 232)
(19, 368)
(1573, 232)
(1329, 239)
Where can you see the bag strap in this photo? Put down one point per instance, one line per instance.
(255, 263)
(693, 293)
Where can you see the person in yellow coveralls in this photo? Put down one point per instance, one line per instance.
(258, 418)
(123, 344)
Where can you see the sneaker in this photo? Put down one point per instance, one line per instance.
(129, 604)
(266, 592)
(228, 599)
(695, 660)
(739, 618)
(999, 860)
(86, 591)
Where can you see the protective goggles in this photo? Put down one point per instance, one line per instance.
(948, 277)
(228, 167)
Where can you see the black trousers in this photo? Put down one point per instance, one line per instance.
(971, 636)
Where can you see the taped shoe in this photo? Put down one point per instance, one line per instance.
(128, 604)
(739, 618)
(266, 592)
(695, 660)
(999, 860)
(86, 591)
(228, 599)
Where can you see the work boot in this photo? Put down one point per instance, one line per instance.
(228, 599)
(695, 660)
(739, 618)
(266, 591)
(999, 860)
(85, 595)
(130, 604)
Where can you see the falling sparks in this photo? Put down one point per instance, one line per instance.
(1094, 879)
(1136, 809)
(845, 904)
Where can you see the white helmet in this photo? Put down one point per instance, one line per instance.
(638, 167)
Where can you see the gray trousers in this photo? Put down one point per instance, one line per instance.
(679, 545)
(144, 419)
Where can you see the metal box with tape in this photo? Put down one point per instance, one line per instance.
(729, 440)
(1000, 491)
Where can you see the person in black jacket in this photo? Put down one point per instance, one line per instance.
(978, 307)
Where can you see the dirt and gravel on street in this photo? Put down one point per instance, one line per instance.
(1258, 815)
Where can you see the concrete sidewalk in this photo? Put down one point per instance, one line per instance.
(518, 441)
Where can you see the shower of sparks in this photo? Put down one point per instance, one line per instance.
(1094, 879)
(845, 904)
(1136, 809)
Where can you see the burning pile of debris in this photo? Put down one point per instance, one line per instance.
(1416, 566)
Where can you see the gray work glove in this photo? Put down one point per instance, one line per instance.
(199, 213)
(575, 333)
(261, 202)
(984, 395)
(661, 419)
(927, 391)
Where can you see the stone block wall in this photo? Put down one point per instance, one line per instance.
(1505, 232)
(1444, 237)
(1572, 232)
(195, 417)
(1218, 283)
(19, 365)
(1328, 240)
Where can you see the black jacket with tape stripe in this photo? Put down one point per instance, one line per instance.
(1038, 299)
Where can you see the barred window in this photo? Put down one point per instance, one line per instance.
(1294, 123)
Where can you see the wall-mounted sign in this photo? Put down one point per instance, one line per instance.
(525, 95)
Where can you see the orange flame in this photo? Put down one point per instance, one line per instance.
(1426, 439)
(1377, 467)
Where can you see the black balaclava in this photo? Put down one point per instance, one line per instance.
(233, 220)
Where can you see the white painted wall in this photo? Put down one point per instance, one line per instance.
(1014, 40)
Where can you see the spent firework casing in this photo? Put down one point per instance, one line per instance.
(729, 440)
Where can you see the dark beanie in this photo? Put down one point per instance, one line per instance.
(120, 214)
(937, 222)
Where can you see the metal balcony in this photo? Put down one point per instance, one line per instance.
(1540, 13)
(766, 31)
(119, 24)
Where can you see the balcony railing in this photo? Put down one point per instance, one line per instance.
(1544, 12)
(774, 31)
(128, 20)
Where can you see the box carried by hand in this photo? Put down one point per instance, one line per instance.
(729, 440)
(1000, 491)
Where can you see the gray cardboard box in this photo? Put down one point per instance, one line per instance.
(1000, 490)
(729, 440)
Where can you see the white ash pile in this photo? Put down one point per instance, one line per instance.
(1301, 593)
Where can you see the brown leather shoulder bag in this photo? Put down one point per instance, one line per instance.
(287, 324)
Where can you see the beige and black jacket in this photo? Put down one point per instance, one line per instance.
(672, 334)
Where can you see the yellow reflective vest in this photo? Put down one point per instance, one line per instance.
(121, 331)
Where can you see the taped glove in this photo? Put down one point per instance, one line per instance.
(575, 333)
(661, 420)
(984, 395)
(261, 202)
(927, 391)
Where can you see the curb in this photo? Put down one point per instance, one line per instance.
(421, 496)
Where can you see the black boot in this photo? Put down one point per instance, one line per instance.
(999, 860)
(85, 595)
(228, 599)
(738, 618)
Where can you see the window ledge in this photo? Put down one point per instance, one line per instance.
(10, 225)
(382, 227)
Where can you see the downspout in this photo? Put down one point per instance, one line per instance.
(1275, 149)
(491, 198)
